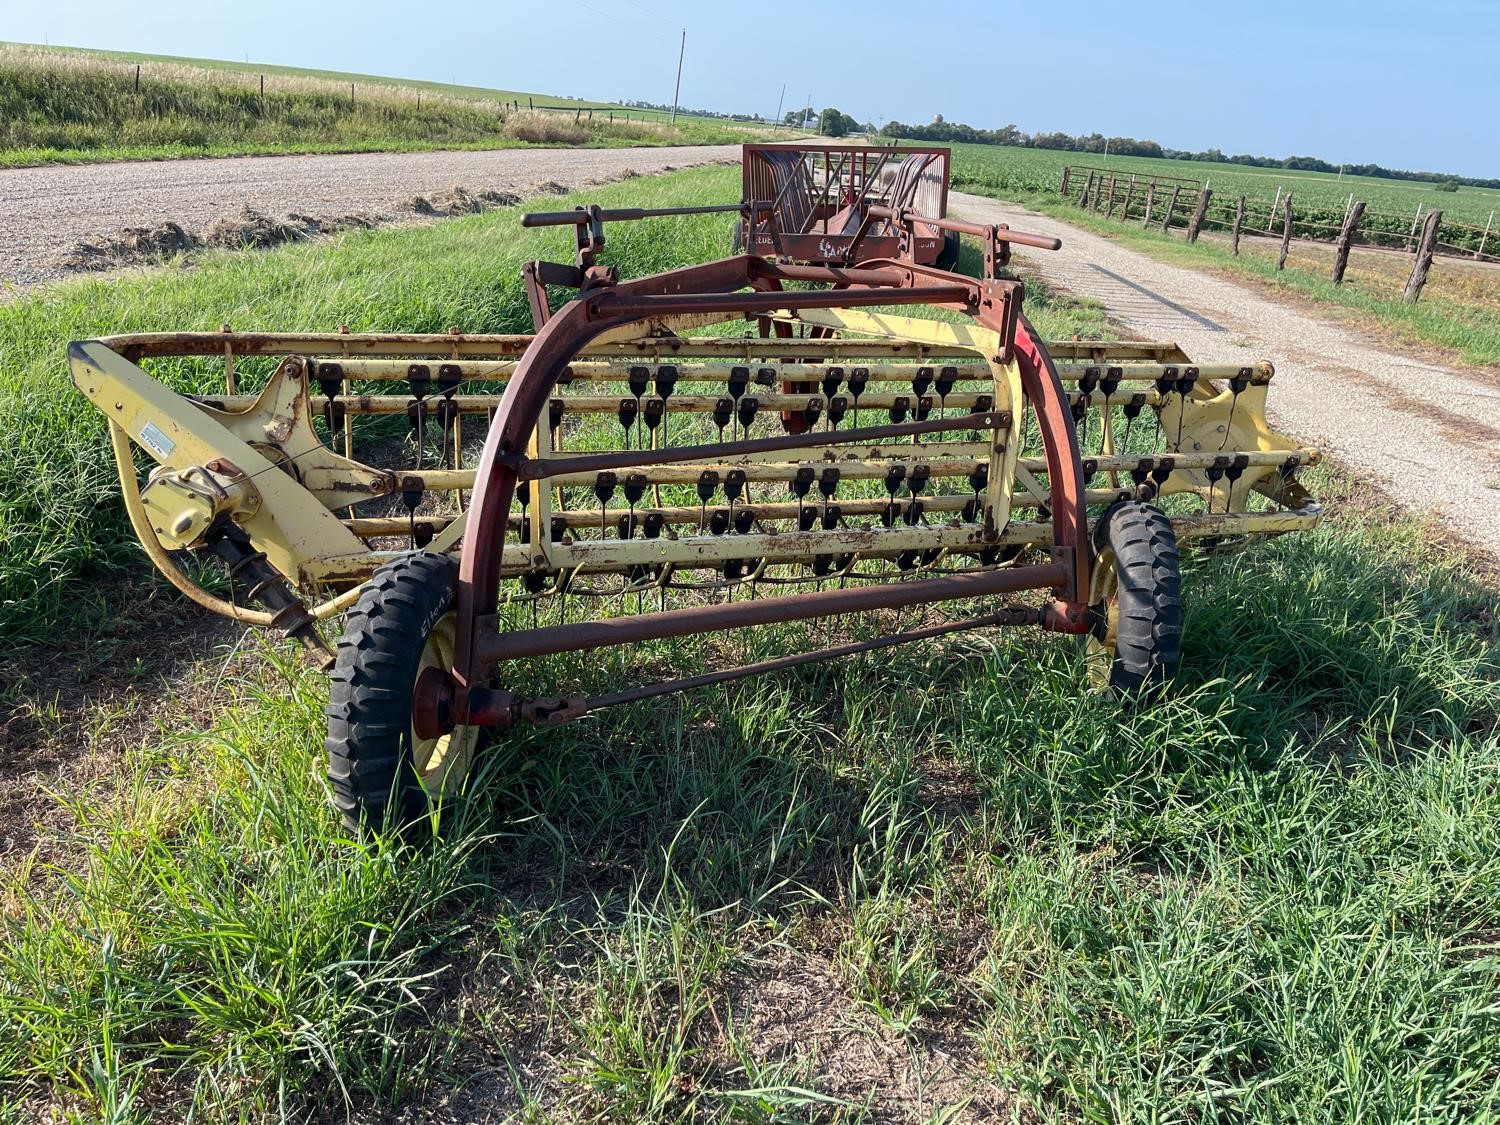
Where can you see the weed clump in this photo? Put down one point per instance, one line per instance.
(132, 245)
(537, 128)
(252, 228)
(459, 200)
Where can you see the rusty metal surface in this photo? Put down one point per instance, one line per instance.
(820, 193)
(580, 321)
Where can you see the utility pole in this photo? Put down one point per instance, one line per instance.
(779, 102)
(677, 90)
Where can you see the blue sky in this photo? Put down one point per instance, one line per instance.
(1401, 84)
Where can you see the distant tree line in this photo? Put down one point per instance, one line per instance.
(666, 108)
(945, 131)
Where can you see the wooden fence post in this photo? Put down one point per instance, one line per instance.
(1239, 222)
(1110, 213)
(1083, 196)
(137, 78)
(1166, 220)
(1150, 202)
(351, 93)
(1485, 237)
(1067, 171)
(1346, 240)
(263, 90)
(1425, 250)
(1199, 215)
(1129, 195)
(1286, 232)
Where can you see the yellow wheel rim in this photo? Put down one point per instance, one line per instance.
(1099, 654)
(442, 763)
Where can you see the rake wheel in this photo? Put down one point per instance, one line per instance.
(1135, 645)
(382, 773)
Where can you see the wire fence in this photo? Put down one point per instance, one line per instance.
(1191, 205)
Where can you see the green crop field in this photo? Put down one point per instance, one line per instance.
(886, 889)
(1459, 311)
(1019, 172)
(64, 105)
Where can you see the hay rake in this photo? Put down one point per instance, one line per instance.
(724, 446)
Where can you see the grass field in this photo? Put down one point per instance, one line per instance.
(1024, 171)
(66, 106)
(1459, 311)
(910, 888)
(300, 75)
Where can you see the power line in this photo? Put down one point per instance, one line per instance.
(622, 23)
(647, 11)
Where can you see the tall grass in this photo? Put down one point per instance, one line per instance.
(912, 887)
(1270, 898)
(71, 107)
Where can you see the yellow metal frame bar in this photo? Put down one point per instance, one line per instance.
(255, 440)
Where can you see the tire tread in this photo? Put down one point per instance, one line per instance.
(369, 706)
(1148, 632)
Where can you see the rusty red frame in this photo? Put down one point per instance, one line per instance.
(752, 287)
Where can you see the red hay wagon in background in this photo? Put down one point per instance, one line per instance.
(820, 196)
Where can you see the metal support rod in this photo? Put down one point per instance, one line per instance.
(611, 303)
(1011, 615)
(978, 230)
(494, 647)
(581, 216)
(531, 469)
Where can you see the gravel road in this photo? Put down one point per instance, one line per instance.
(1428, 434)
(44, 212)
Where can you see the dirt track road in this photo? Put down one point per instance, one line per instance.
(45, 211)
(1428, 434)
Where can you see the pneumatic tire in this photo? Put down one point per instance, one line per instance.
(1135, 646)
(383, 776)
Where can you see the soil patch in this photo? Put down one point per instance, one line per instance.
(69, 709)
(794, 1009)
